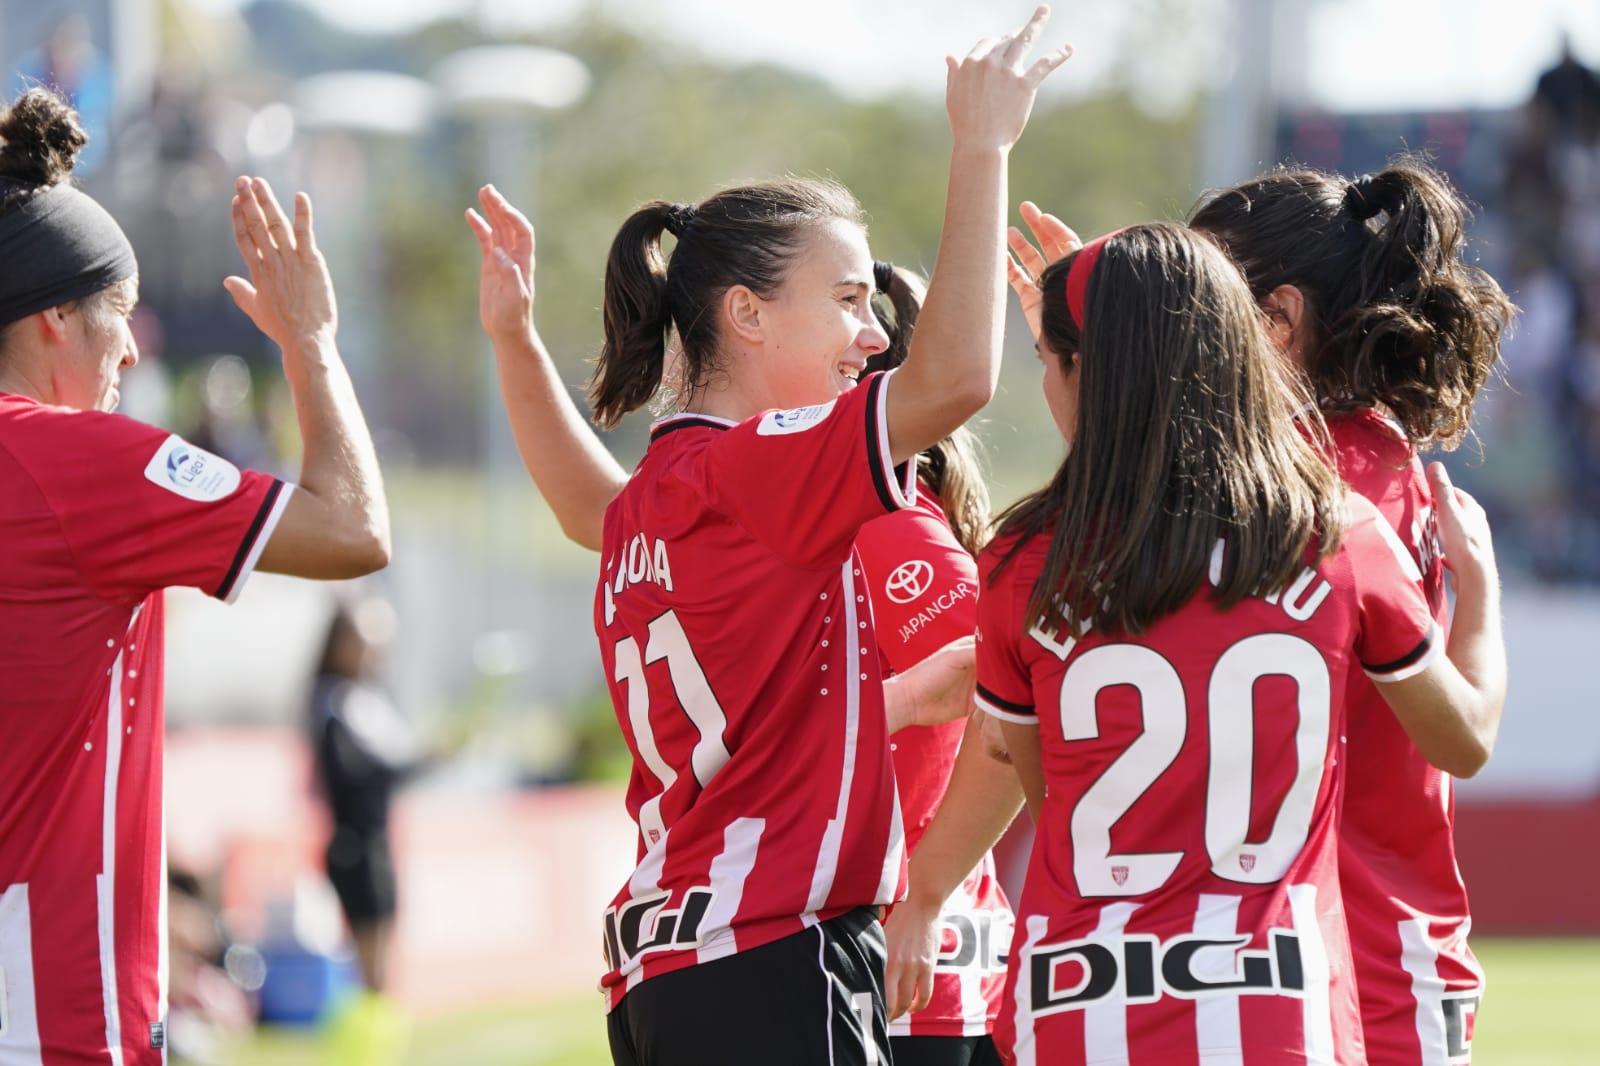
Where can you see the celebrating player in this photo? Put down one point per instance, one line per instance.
(1167, 631)
(921, 579)
(101, 514)
(731, 612)
(1366, 293)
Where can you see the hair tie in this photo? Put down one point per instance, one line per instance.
(678, 218)
(1078, 276)
(1360, 198)
(882, 275)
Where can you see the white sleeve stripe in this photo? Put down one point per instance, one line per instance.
(1435, 641)
(903, 490)
(278, 507)
(1006, 716)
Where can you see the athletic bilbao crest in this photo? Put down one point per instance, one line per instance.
(1247, 863)
(1119, 874)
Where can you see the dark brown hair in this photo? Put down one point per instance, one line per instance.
(747, 235)
(1186, 435)
(42, 140)
(1398, 317)
(951, 467)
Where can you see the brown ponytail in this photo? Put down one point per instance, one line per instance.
(951, 467)
(637, 317)
(1400, 318)
(748, 235)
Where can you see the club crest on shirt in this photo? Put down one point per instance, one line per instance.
(795, 420)
(191, 472)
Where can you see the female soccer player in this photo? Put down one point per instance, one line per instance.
(921, 579)
(733, 624)
(100, 514)
(1167, 631)
(1365, 291)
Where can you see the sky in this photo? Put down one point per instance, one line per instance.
(1359, 54)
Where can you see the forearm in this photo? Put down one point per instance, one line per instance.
(980, 803)
(1022, 742)
(954, 362)
(574, 472)
(1477, 649)
(339, 466)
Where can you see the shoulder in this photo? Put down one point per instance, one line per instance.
(1370, 449)
(1367, 531)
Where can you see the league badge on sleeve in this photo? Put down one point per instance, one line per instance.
(797, 420)
(191, 472)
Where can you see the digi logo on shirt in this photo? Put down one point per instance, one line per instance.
(190, 472)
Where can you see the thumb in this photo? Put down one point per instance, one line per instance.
(1444, 493)
(243, 293)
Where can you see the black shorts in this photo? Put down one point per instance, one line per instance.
(362, 873)
(944, 1051)
(814, 997)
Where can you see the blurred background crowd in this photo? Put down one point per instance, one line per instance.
(392, 113)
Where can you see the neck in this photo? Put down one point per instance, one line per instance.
(724, 399)
(19, 381)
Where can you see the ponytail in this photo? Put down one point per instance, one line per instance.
(1398, 317)
(637, 317)
(951, 467)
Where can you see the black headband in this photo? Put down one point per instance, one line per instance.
(58, 246)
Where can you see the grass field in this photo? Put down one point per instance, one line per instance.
(1542, 1009)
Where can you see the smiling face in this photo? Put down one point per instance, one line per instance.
(817, 329)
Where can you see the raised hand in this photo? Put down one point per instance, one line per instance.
(1023, 267)
(505, 278)
(989, 94)
(289, 295)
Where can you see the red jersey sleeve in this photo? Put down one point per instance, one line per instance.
(924, 585)
(1399, 637)
(1005, 687)
(141, 509)
(803, 482)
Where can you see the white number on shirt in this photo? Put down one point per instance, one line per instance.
(692, 692)
(1230, 714)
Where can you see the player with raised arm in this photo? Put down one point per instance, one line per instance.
(1167, 631)
(733, 623)
(102, 513)
(1366, 292)
(917, 565)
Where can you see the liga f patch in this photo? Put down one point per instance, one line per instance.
(797, 420)
(191, 472)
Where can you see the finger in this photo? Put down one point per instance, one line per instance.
(241, 235)
(982, 49)
(277, 221)
(255, 223)
(304, 236)
(1021, 282)
(508, 266)
(509, 212)
(1022, 41)
(1048, 62)
(481, 230)
(1443, 491)
(924, 990)
(243, 293)
(1028, 257)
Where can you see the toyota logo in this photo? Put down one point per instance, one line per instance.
(909, 580)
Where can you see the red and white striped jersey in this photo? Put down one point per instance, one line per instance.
(923, 588)
(1404, 897)
(1182, 903)
(100, 514)
(743, 664)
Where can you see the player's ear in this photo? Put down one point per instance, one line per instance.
(52, 324)
(1285, 308)
(742, 311)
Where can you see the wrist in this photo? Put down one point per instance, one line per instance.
(976, 149)
(316, 346)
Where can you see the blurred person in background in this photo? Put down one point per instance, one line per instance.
(364, 747)
(101, 514)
